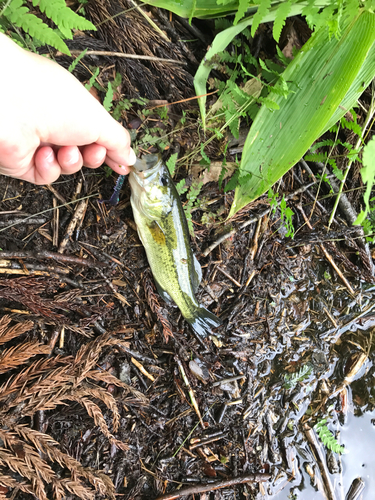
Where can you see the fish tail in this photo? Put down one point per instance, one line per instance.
(203, 321)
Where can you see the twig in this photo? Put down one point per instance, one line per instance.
(79, 214)
(202, 488)
(226, 380)
(45, 254)
(142, 369)
(60, 197)
(26, 220)
(30, 217)
(320, 459)
(327, 255)
(229, 276)
(190, 390)
(150, 22)
(55, 224)
(128, 56)
(336, 268)
(17, 268)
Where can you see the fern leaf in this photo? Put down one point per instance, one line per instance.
(107, 103)
(281, 15)
(92, 79)
(262, 11)
(62, 15)
(327, 438)
(181, 187)
(311, 13)
(171, 164)
(19, 15)
(76, 61)
(241, 10)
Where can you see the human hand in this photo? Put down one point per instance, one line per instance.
(50, 124)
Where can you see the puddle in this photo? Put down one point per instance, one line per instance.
(358, 436)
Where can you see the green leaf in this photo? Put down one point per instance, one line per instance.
(327, 438)
(76, 61)
(181, 187)
(197, 8)
(260, 14)
(92, 79)
(368, 176)
(281, 14)
(107, 103)
(323, 72)
(171, 163)
(242, 8)
(19, 15)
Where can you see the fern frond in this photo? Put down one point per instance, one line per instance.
(292, 379)
(327, 438)
(241, 10)
(63, 16)
(281, 15)
(262, 11)
(35, 370)
(108, 99)
(50, 448)
(76, 61)
(105, 397)
(95, 412)
(61, 486)
(18, 14)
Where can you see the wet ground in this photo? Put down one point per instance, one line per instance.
(296, 347)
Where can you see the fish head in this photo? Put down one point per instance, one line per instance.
(152, 187)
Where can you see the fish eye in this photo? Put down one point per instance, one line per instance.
(163, 180)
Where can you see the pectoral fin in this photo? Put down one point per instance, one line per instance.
(197, 274)
(163, 294)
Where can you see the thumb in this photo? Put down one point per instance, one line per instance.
(116, 139)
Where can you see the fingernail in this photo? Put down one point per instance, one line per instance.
(132, 158)
(50, 156)
(74, 156)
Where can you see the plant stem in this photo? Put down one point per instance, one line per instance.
(5, 7)
(369, 117)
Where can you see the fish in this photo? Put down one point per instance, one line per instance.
(164, 233)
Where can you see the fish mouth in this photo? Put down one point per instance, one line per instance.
(148, 162)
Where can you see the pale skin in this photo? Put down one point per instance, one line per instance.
(50, 124)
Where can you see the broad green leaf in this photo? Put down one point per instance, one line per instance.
(323, 71)
(197, 8)
(360, 83)
(368, 176)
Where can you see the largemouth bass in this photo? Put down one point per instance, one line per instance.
(164, 233)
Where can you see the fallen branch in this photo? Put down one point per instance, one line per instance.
(45, 254)
(203, 488)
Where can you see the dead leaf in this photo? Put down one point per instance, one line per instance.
(212, 173)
